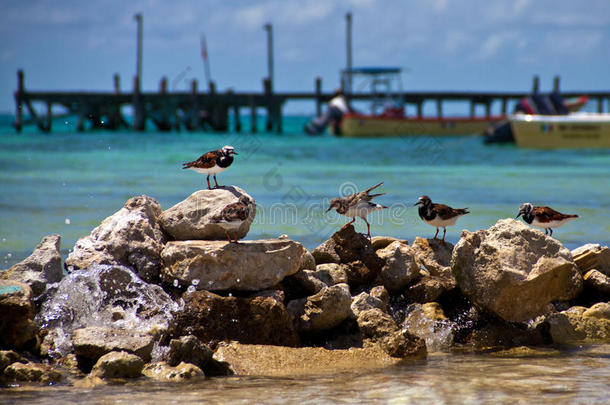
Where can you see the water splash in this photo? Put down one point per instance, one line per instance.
(438, 333)
(103, 295)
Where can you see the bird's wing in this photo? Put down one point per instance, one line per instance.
(205, 161)
(547, 214)
(446, 212)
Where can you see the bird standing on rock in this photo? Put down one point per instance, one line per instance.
(233, 215)
(438, 215)
(543, 217)
(213, 162)
(357, 205)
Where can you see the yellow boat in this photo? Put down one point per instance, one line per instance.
(578, 130)
(361, 125)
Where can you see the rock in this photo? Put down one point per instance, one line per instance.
(307, 260)
(8, 357)
(42, 267)
(592, 256)
(17, 329)
(220, 265)
(188, 349)
(278, 295)
(364, 302)
(162, 371)
(309, 281)
(259, 360)
(435, 256)
(380, 242)
(346, 246)
(427, 289)
(131, 237)
(381, 293)
(322, 311)
(118, 365)
(113, 296)
(332, 273)
(32, 372)
(527, 352)
(597, 281)
(513, 270)
(191, 219)
(429, 323)
(95, 341)
(396, 342)
(213, 318)
(579, 325)
(401, 267)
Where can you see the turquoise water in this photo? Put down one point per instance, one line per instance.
(67, 182)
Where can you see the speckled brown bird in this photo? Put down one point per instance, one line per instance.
(213, 162)
(438, 215)
(544, 217)
(233, 215)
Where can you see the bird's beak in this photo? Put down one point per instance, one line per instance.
(329, 208)
(519, 214)
(417, 203)
(235, 153)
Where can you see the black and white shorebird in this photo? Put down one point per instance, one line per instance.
(213, 162)
(438, 215)
(357, 205)
(544, 217)
(232, 216)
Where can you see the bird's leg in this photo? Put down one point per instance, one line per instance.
(349, 223)
(546, 231)
(228, 236)
(368, 228)
(551, 231)
(216, 181)
(435, 233)
(444, 232)
(208, 178)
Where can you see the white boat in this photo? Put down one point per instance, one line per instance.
(576, 130)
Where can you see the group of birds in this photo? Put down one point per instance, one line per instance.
(360, 204)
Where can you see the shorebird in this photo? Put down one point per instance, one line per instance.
(357, 205)
(233, 215)
(438, 215)
(213, 162)
(543, 217)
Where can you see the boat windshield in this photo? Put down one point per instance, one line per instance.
(382, 84)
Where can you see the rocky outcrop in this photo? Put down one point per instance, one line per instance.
(8, 357)
(32, 372)
(380, 242)
(580, 325)
(95, 341)
(213, 318)
(131, 237)
(435, 256)
(592, 256)
(188, 349)
(321, 311)
(17, 329)
(42, 267)
(118, 365)
(220, 265)
(400, 268)
(162, 371)
(513, 270)
(598, 281)
(192, 218)
(363, 302)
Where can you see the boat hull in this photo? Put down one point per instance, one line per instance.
(562, 131)
(354, 125)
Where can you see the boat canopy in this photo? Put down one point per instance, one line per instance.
(371, 70)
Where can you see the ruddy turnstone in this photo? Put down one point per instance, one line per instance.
(438, 215)
(213, 162)
(233, 215)
(543, 217)
(357, 205)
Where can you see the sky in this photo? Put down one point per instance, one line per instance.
(441, 44)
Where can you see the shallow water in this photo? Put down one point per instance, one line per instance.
(580, 377)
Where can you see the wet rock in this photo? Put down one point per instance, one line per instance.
(95, 341)
(220, 265)
(527, 352)
(17, 329)
(513, 270)
(191, 219)
(32, 372)
(322, 311)
(162, 371)
(363, 302)
(380, 242)
(277, 361)
(346, 246)
(42, 267)
(580, 325)
(435, 256)
(8, 357)
(213, 318)
(401, 267)
(494, 333)
(427, 289)
(118, 365)
(131, 237)
(112, 296)
(381, 328)
(429, 323)
(597, 281)
(592, 256)
(188, 349)
(381, 293)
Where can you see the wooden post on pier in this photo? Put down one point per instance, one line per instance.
(117, 83)
(253, 114)
(267, 91)
(192, 121)
(439, 108)
(236, 118)
(348, 52)
(504, 102)
(472, 108)
(600, 104)
(488, 109)
(318, 96)
(536, 84)
(420, 109)
(19, 101)
(49, 123)
(139, 115)
(556, 84)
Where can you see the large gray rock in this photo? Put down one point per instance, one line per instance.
(401, 267)
(131, 237)
(42, 267)
(435, 256)
(17, 329)
(95, 341)
(324, 310)
(363, 302)
(220, 265)
(118, 365)
(580, 325)
(191, 218)
(514, 271)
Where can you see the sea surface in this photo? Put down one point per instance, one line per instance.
(66, 183)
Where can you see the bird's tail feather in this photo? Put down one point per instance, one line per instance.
(368, 190)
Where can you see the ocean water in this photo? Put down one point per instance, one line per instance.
(67, 182)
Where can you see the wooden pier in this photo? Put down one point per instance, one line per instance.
(210, 110)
